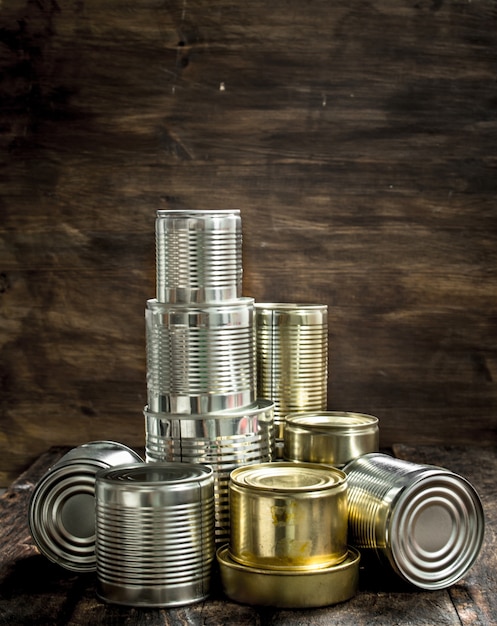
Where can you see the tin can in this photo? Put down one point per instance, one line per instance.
(289, 589)
(422, 522)
(329, 437)
(154, 534)
(288, 516)
(224, 441)
(61, 511)
(292, 358)
(199, 256)
(200, 359)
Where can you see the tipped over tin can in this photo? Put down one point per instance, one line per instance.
(329, 437)
(288, 516)
(61, 512)
(423, 522)
(199, 256)
(154, 534)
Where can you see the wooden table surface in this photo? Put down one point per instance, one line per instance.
(35, 591)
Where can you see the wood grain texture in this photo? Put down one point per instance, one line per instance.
(357, 139)
(34, 591)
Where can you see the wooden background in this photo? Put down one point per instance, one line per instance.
(359, 141)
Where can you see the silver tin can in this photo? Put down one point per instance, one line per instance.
(292, 358)
(329, 437)
(224, 441)
(154, 534)
(288, 516)
(200, 359)
(199, 256)
(61, 512)
(423, 522)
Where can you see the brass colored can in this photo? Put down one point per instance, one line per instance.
(288, 516)
(289, 589)
(292, 358)
(423, 522)
(329, 437)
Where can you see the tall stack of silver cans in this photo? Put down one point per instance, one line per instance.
(202, 404)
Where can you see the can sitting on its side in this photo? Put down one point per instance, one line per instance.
(423, 522)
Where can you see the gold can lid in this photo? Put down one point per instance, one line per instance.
(283, 477)
(291, 589)
(332, 422)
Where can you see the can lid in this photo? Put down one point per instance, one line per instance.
(290, 589)
(142, 475)
(288, 477)
(331, 422)
(436, 529)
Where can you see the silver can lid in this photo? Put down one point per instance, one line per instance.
(436, 529)
(61, 511)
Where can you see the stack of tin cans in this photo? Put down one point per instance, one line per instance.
(288, 545)
(288, 533)
(202, 404)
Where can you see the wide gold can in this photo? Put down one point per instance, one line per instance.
(330, 437)
(288, 516)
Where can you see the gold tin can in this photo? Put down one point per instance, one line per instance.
(423, 522)
(289, 589)
(329, 437)
(288, 516)
(292, 358)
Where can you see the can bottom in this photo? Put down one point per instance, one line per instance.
(290, 589)
(152, 596)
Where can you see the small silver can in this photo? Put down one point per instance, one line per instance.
(288, 516)
(61, 512)
(423, 522)
(330, 437)
(199, 256)
(154, 534)
(200, 359)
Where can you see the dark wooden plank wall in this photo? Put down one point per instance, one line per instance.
(357, 138)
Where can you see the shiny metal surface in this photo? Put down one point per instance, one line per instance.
(61, 512)
(292, 358)
(154, 534)
(224, 441)
(329, 437)
(200, 359)
(288, 516)
(291, 589)
(424, 522)
(199, 256)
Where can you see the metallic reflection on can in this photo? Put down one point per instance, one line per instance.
(199, 256)
(288, 516)
(224, 441)
(61, 510)
(289, 589)
(292, 358)
(200, 358)
(329, 437)
(154, 534)
(424, 522)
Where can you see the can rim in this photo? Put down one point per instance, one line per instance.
(328, 422)
(288, 477)
(140, 476)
